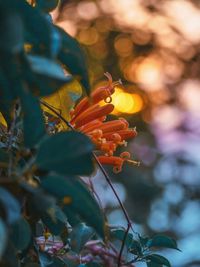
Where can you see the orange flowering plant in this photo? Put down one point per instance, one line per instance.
(49, 216)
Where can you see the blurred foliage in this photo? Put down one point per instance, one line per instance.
(153, 46)
(49, 215)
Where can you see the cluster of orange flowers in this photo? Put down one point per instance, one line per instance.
(89, 117)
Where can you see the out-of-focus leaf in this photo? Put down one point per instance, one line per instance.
(49, 75)
(55, 220)
(32, 264)
(120, 233)
(34, 128)
(45, 259)
(6, 96)
(38, 28)
(63, 100)
(153, 264)
(82, 202)
(10, 258)
(162, 241)
(10, 206)
(72, 56)
(20, 234)
(3, 155)
(72, 216)
(79, 236)
(47, 5)
(93, 264)
(3, 235)
(66, 153)
(135, 248)
(158, 259)
(41, 202)
(11, 31)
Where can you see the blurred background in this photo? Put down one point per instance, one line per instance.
(153, 46)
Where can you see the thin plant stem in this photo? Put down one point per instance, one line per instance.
(129, 224)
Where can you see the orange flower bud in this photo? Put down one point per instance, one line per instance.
(93, 113)
(125, 134)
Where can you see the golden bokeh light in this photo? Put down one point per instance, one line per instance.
(126, 102)
(88, 36)
(123, 46)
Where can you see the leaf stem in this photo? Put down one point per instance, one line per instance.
(129, 224)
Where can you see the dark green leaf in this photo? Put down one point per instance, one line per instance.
(10, 206)
(6, 97)
(120, 233)
(72, 216)
(58, 263)
(135, 248)
(11, 31)
(66, 153)
(55, 220)
(162, 241)
(20, 234)
(82, 202)
(79, 236)
(72, 56)
(32, 264)
(143, 240)
(3, 235)
(38, 28)
(3, 155)
(34, 128)
(10, 258)
(42, 202)
(153, 264)
(49, 76)
(93, 264)
(46, 5)
(158, 259)
(45, 259)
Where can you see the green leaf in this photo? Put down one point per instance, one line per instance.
(55, 220)
(72, 56)
(120, 233)
(47, 5)
(21, 234)
(41, 202)
(143, 240)
(66, 153)
(158, 259)
(33, 122)
(49, 75)
(11, 31)
(38, 28)
(10, 206)
(162, 241)
(135, 248)
(93, 264)
(7, 97)
(3, 235)
(3, 155)
(72, 216)
(45, 259)
(153, 264)
(82, 202)
(79, 236)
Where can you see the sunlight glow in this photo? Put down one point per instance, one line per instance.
(125, 102)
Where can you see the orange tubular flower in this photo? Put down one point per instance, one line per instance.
(89, 117)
